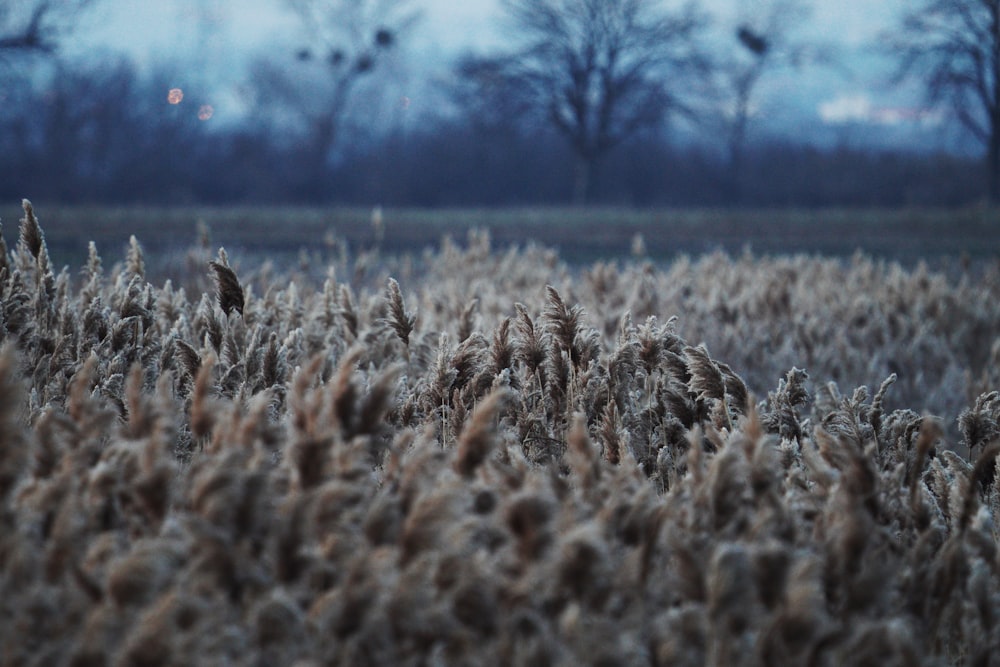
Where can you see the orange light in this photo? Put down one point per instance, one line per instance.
(205, 111)
(175, 96)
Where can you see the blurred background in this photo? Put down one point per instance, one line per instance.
(490, 103)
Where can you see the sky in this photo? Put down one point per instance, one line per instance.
(225, 31)
(448, 25)
(151, 28)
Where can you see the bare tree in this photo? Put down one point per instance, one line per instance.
(345, 42)
(598, 71)
(36, 25)
(953, 48)
(764, 43)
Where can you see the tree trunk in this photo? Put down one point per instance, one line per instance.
(993, 104)
(737, 142)
(584, 179)
(313, 166)
(734, 186)
(993, 162)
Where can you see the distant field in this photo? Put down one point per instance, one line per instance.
(579, 235)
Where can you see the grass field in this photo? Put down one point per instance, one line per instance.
(480, 456)
(580, 236)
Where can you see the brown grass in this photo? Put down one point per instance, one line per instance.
(527, 477)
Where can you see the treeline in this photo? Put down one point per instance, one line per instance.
(105, 134)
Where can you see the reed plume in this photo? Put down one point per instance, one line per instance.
(228, 290)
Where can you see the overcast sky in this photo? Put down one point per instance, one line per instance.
(151, 28)
(227, 30)
(450, 24)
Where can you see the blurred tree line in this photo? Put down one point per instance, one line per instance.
(580, 108)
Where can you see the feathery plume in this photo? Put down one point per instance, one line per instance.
(477, 437)
(530, 350)
(706, 378)
(399, 320)
(31, 238)
(135, 261)
(228, 290)
(875, 415)
(562, 322)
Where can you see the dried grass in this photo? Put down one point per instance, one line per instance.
(517, 480)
